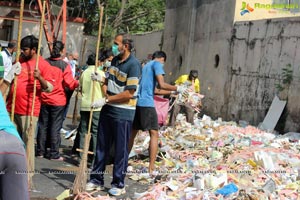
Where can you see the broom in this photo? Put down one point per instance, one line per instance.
(30, 130)
(17, 60)
(81, 177)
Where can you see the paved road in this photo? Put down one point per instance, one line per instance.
(53, 177)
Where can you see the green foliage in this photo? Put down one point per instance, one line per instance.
(126, 16)
(287, 77)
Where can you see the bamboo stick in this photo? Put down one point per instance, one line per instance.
(30, 130)
(17, 60)
(81, 177)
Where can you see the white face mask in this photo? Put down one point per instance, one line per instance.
(107, 64)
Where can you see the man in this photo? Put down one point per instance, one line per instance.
(6, 55)
(145, 116)
(116, 116)
(25, 87)
(187, 81)
(13, 176)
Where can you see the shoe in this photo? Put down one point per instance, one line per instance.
(63, 131)
(58, 159)
(117, 191)
(69, 134)
(92, 186)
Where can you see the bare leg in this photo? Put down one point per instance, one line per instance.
(131, 140)
(153, 149)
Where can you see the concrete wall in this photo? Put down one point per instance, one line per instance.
(251, 58)
(145, 44)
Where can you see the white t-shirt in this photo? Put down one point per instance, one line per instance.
(7, 61)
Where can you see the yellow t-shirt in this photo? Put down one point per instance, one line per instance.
(86, 89)
(184, 79)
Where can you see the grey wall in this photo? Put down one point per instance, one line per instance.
(147, 43)
(252, 56)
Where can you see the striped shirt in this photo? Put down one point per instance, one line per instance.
(123, 76)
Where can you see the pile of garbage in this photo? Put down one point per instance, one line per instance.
(213, 159)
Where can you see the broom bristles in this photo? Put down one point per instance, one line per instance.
(81, 178)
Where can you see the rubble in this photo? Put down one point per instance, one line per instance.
(213, 159)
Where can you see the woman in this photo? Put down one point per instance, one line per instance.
(53, 105)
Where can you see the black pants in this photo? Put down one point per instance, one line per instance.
(50, 122)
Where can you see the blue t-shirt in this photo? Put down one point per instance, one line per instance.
(5, 123)
(148, 83)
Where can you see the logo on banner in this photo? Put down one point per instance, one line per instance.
(271, 8)
(246, 8)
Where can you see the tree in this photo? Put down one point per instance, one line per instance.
(127, 16)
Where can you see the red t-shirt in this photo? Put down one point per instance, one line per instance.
(63, 78)
(25, 83)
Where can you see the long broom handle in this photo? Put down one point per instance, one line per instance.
(80, 179)
(17, 60)
(96, 64)
(37, 59)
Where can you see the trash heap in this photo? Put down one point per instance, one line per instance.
(214, 159)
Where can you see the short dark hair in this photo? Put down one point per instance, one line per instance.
(106, 53)
(30, 41)
(159, 54)
(127, 40)
(193, 74)
(91, 59)
(12, 44)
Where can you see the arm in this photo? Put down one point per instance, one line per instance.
(3, 87)
(163, 85)
(121, 97)
(69, 81)
(46, 86)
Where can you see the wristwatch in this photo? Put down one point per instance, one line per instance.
(106, 100)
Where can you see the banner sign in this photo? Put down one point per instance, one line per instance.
(247, 10)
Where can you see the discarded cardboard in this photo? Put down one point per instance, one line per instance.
(273, 114)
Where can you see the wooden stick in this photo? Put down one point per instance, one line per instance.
(17, 60)
(81, 177)
(74, 119)
(30, 130)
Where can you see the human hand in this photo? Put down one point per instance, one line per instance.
(37, 74)
(180, 89)
(96, 77)
(99, 103)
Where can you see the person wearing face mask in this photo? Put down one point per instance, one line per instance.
(25, 86)
(7, 56)
(145, 116)
(116, 116)
(105, 60)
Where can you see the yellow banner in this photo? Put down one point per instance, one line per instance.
(247, 10)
